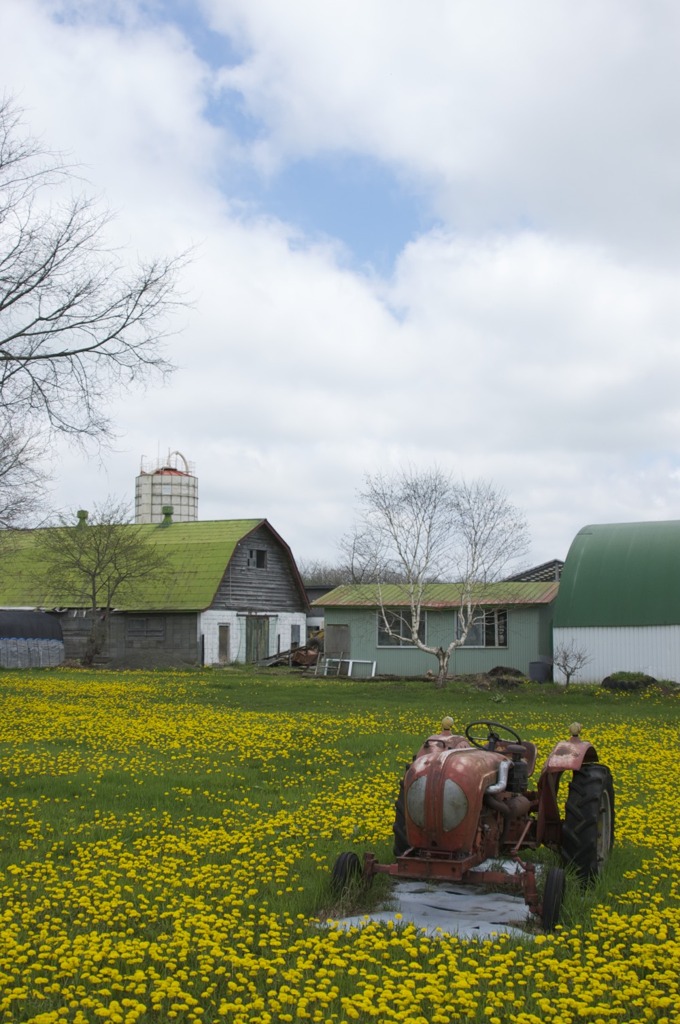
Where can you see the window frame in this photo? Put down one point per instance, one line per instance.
(153, 628)
(387, 642)
(257, 558)
(489, 618)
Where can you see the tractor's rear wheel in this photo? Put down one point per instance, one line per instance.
(588, 828)
(347, 867)
(399, 828)
(553, 894)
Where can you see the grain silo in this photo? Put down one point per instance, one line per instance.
(166, 482)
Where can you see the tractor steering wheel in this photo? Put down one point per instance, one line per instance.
(492, 737)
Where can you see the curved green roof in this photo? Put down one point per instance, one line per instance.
(621, 574)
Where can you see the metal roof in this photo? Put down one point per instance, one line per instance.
(545, 571)
(621, 574)
(439, 595)
(197, 554)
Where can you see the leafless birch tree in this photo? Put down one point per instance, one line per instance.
(422, 527)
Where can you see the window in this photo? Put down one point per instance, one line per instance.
(489, 629)
(257, 558)
(146, 629)
(399, 632)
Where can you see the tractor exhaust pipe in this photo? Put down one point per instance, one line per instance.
(501, 785)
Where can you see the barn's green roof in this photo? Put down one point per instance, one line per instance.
(438, 595)
(621, 574)
(197, 556)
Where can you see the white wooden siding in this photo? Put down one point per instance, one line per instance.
(654, 650)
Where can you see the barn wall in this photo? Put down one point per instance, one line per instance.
(75, 627)
(164, 641)
(246, 587)
(280, 632)
(654, 650)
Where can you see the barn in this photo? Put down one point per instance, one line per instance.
(619, 600)
(231, 592)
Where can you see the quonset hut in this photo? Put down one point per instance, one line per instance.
(619, 600)
(29, 639)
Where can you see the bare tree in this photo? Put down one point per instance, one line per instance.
(569, 658)
(21, 481)
(421, 527)
(75, 322)
(94, 560)
(348, 569)
(316, 572)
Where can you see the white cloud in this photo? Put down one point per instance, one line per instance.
(556, 114)
(544, 358)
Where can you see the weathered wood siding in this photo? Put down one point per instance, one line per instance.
(247, 588)
(527, 641)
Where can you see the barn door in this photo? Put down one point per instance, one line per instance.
(336, 641)
(257, 638)
(223, 654)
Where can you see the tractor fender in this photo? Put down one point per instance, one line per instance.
(569, 755)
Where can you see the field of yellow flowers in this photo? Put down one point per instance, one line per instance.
(166, 840)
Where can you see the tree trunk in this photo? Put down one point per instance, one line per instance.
(443, 659)
(93, 642)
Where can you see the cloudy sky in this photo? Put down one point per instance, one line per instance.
(436, 233)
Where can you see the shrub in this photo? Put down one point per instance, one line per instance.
(627, 681)
(508, 682)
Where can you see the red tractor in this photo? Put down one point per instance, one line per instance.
(465, 804)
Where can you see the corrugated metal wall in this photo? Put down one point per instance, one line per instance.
(654, 650)
(17, 652)
(527, 641)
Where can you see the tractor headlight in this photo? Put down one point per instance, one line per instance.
(415, 801)
(455, 805)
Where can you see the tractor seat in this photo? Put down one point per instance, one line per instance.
(528, 752)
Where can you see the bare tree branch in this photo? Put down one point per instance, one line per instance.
(22, 483)
(569, 659)
(76, 324)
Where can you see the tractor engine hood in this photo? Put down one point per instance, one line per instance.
(443, 794)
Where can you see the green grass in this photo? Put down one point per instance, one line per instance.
(174, 823)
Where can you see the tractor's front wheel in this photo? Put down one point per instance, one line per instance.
(588, 827)
(346, 869)
(399, 828)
